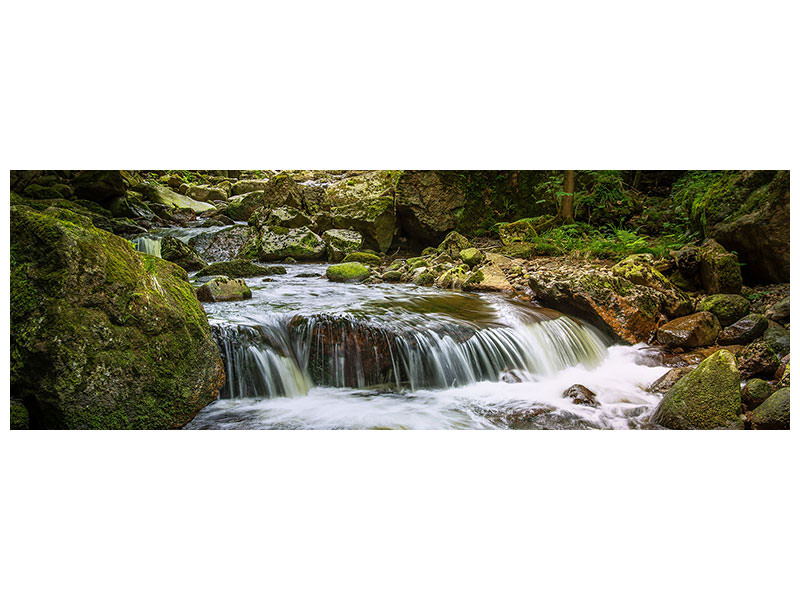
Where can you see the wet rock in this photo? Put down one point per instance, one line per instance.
(242, 207)
(489, 278)
(245, 186)
(347, 272)
(687, 261)
(706, 398)
(156, 194)
(777, 339)
(341, 242)
(581, 395)
(281, 216)
(744, 331)
(241, 268)
(640, 269)
(453, 244)
(779, 311)
(276, 243)
(719, 269)
(755, 392)
(773, 413)
(207, 193)
(757, 359)
(728, 308)
(471, 256)
(453, 278)
(224, 289)
(664, 383)
(511, 376)
(222, 245)
(428, 203)
(366, 258)
(392, 276)
(423, 276)
(699, 329)
(102, 336)
(183, 255)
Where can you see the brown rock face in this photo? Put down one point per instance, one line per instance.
(699, 329)
(427, 204)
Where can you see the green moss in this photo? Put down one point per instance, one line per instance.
(240, 268)
(728, 308)
(347, 271)
(471, 256)
(366, 258)
(417, 262)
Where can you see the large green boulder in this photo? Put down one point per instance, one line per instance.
(347, 272)
(240, 268)
(773, 413)
(277, 243)
(242, 207)
(341, 242)
(102, 336)
(471, 256)
(728, 308)
(364, 203)
(640, 269)
(719, 269)
(181, 253)
(706, 398)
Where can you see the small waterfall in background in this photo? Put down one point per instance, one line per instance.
(148, 245)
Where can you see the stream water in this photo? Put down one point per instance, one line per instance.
(305, 353)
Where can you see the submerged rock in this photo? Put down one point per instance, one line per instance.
(773, 413)
(706, 398)
(241, 268)
(580, 394)
(103, 337)
(183, 255)
(347, 272)
(699, 329)
(224, 289)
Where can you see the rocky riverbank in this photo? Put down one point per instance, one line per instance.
(104, 336)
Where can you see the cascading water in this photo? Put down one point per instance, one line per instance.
(148, 245)
(307, 353)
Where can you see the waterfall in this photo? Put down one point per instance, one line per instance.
(148, 245)
(288, 356)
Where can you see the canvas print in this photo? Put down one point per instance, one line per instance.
(391, 299)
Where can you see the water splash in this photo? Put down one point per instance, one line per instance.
(148, 245)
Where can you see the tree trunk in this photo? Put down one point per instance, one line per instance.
(568, 197)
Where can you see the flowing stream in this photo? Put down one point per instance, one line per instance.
(305, 353)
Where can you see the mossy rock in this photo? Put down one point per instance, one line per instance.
(518, 250)
(773, 413)
(518, 231)
(429, 251)
(719, 269)
(706, 398)
(417, 262)
(102, 336)
(183, 255)
(743, 331)
(424, 276)
(471, 256)
(728, 308)
(224, 289)
(366, 258)
(276, 243)
(20, 419)
(341, 242)
(777, 339)
(454, 243)
(757, 359)
(347, 272)
(242, 207)
(240, 268)
(755, 392)
(392, 276)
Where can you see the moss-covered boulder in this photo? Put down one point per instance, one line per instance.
(779, 311)
(453, 244)
(277, 243)
(706, 398)
(743, 331)
(755, 392)
(366, 258)
(777, 338)
(364, 203)
(180, 253)
(280, 216)
(728, 308)
(453, 278)
(773, 413)
(242, 207)
(392, 276)
(244, 186)
(103, 336)
(719, 269)
(699, 329)
(518, 250)
(222, 245)
(170, 200)
(429, 204)
(347, 272)
(518, 231)
(207, 193)
(241, 268)
(471, 256)
(224, 289)
(640, 269)
(341, 242)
